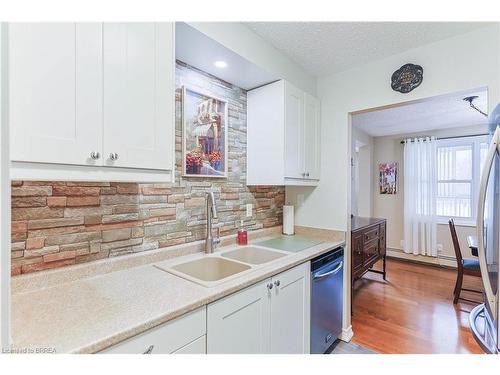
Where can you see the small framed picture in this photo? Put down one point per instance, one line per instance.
(388, 174)
(204, 135)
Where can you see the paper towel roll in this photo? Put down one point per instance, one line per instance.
(288, 220)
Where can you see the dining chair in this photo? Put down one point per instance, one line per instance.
(465, 266)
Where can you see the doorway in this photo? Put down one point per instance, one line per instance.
(417, 295)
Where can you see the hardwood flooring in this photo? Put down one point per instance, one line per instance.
(412, 312)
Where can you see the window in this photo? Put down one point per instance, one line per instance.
(459, 165)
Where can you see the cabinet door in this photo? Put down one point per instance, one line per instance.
(139, 91)
(294, 132)
(239, 323)
(312, 137)
(55, 92)
(198, 346)
(290, 311)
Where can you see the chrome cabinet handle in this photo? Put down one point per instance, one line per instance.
(307, 174)
(95, 155)
(149, 350)
(270, 286)
(277, 283)
(113, 156)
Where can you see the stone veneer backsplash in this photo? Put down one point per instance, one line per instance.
(56, 224)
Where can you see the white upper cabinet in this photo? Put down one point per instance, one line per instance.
(138, 94)
(92, 94)
(266, 135)
(294, 132)
(55, 92)
(312, 137)
(283, 136)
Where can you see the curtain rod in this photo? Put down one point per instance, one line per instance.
(455, 137)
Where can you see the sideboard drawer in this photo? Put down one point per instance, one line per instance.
(371, 252)
(372, 234)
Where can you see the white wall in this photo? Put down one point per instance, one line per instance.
(4, 204)
(365, 176)
(463, 62)
(240, 39)
(362, 189)
(391, 207)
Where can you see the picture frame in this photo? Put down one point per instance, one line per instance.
(204, 134)
(388, 178)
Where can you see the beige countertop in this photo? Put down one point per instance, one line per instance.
(85, 309)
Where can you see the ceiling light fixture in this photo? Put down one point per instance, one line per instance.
(220, 64)
(470, 99)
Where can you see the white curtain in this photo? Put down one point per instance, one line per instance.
(420, 187)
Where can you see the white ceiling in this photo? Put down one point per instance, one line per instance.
(442, 112)
(329, 47)
(198, 50)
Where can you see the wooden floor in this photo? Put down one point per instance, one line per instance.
(412, 311)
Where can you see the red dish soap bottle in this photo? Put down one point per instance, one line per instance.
(242, 235)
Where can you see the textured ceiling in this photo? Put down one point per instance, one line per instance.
(442, 112)
(329, 47)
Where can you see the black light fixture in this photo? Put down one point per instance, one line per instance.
(470, 99)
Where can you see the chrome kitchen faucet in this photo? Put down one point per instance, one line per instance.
(211, 242)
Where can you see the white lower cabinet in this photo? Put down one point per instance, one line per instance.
(185, 334)
(239, 323)
(270, 317)
(290, 311)
(198, 346)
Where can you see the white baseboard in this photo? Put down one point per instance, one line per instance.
(346, 334)
(440, 260)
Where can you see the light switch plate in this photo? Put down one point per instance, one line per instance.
(249, 209)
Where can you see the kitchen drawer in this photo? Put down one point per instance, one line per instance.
(198, 346)
(170, 337)
(371, 234)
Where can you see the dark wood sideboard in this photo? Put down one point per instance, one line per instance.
(368, 245)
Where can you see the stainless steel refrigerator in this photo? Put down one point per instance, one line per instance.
(484, 319)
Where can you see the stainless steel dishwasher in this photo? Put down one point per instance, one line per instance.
(326, 299)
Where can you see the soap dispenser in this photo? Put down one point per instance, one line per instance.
(242, 235)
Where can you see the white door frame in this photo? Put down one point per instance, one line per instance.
(4, 196)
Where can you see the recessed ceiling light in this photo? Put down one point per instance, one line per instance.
(220, 64)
